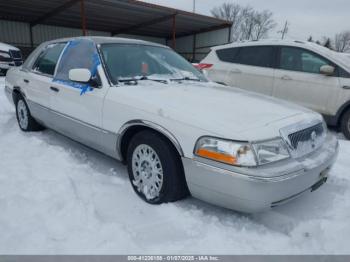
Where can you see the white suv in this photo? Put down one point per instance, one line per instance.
(302, 72)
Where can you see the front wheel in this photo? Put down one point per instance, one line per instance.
(25, 121)
(155, 169)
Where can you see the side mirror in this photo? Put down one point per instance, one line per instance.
(327, 70)
(82, 75)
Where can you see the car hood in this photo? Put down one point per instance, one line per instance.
(219, 110)
(6, 47)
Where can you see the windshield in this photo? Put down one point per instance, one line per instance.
(140, 62)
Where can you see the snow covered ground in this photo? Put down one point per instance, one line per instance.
(58, 197)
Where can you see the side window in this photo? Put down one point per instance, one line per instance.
(79, 53)
(47, 60)
(228, 54)
(297, 59)
(261, 56)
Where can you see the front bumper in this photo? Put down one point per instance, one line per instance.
(8, 65)
(246, 190)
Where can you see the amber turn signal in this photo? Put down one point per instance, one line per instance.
(228, 159)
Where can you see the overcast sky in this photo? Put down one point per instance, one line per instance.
(306, 17)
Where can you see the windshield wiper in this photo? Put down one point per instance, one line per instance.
(186, 79)
(134, 81)
(128, 81)
(163, 81)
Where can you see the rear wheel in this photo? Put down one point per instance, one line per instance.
(25, 121)
(345, 124)
(155, 169)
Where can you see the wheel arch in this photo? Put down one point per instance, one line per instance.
(129, 129)
(17, 92)
(341, 112)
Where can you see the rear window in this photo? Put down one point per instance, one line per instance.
(261, 56)
(47, 60)
(227, 54)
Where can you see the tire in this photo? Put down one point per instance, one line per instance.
(25, 121)
(345, 124)
(155, 169)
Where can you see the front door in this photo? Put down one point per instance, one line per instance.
(298, 79)
(77, 107)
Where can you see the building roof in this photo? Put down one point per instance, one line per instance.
(115, 16)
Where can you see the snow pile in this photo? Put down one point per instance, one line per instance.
(58, 197)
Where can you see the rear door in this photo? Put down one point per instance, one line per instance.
(223, 71)
(298, 79)
(37, 80)
(253, 69)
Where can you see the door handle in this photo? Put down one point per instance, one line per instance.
(286, 78)
(55, 89)
(346, 87)
(26, 81)
(236, 71)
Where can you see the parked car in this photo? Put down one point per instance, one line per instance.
(301, 72)
(143, 104)
(10, 56)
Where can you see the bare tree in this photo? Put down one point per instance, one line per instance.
(327, 42)
(342, 42)
(264, 23)
(247, 23)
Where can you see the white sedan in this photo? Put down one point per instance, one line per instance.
(143, 104)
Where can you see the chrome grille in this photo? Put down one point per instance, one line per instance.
(311, 134)
(16, 54)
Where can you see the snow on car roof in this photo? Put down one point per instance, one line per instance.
(6, 47)
(330, 54)
(104, 40)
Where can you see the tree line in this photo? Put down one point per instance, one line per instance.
(340, 43)
(251, 24)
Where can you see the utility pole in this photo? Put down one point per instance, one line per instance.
(194, 6)
(285, 30)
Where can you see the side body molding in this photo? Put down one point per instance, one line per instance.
(151, 125)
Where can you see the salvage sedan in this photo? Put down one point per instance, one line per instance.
(178, 133)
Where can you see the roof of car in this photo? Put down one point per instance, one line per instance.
(108, 40)
(271, 42)
(297, 43)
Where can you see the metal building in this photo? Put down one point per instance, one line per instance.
(26, 24)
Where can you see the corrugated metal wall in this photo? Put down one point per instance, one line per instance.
(42, 33)
(14, 33)
(204, 41)
(18, 34)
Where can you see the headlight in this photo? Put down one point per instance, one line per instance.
(242, 153)
(225, 151)
(271, 151)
